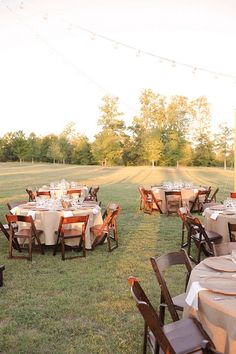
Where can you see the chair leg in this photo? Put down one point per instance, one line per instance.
(30, 249)
(145, 332)
(40, 245)
(84, 249)
(10, 245)
(62, 248)
(56, 246)
(162, 313)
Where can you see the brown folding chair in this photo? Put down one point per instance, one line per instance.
(44, 194)
(142, 197)
(200, 199)
(223, 249)
(27, 231)
(74, 193)
(212, 198)
(92, 194)
(150, 202)
(2, 268)
(232, 232)
(107, 230)
(160, 265)
(173, 201)
(203, 239)
(182, 336)
(68, 230)
(5, 230)
(183, 212)
(31, 195)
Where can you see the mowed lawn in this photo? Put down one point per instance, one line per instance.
(85, 305)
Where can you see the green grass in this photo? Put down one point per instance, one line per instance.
(84, 305)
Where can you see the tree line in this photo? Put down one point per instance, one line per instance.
(168, 131)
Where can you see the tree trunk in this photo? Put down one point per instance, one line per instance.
(153, 163)
(177, 164)
(225, 164)
(32, 160)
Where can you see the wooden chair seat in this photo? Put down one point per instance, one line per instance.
(98, 229)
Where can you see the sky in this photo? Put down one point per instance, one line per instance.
(56, 65)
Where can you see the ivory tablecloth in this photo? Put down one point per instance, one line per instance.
(186, 196)
(48, 221)
(220, 224)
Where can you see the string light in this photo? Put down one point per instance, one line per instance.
(161, 59)
(139, 52)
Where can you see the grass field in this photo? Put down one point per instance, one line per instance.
(84, 305)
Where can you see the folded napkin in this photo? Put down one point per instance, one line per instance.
(67, 213)
(32, 213)
(96, 210)
(192, 297)
(13, 210)
(215, 215)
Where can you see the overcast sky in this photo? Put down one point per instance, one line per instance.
(53, 72)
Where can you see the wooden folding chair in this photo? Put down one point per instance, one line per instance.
(68, 229)
(183, 212)
(182, 336)
(212, 198)
(27, 231)
(160, 265)
(203, 239)
(92, 194)
(107, 230)
(31, 195)
(199, 200)
(232, 231)
(149, 201)
(74, 193)
(173, 201)
(5, 230)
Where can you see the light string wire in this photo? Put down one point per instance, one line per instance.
(139, 51)
(116, 43)
(68, 62)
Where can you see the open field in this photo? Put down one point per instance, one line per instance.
(84, 305)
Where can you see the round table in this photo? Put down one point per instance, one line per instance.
(217, 221)
(187, 194)
(216, 311)
(48, 221)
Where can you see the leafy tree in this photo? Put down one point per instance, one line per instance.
(224, 142)
(19, 145)
(54, 152)
(81, 150)
(153, 146)
(107, 147)
(203, 144)
(34, 147)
